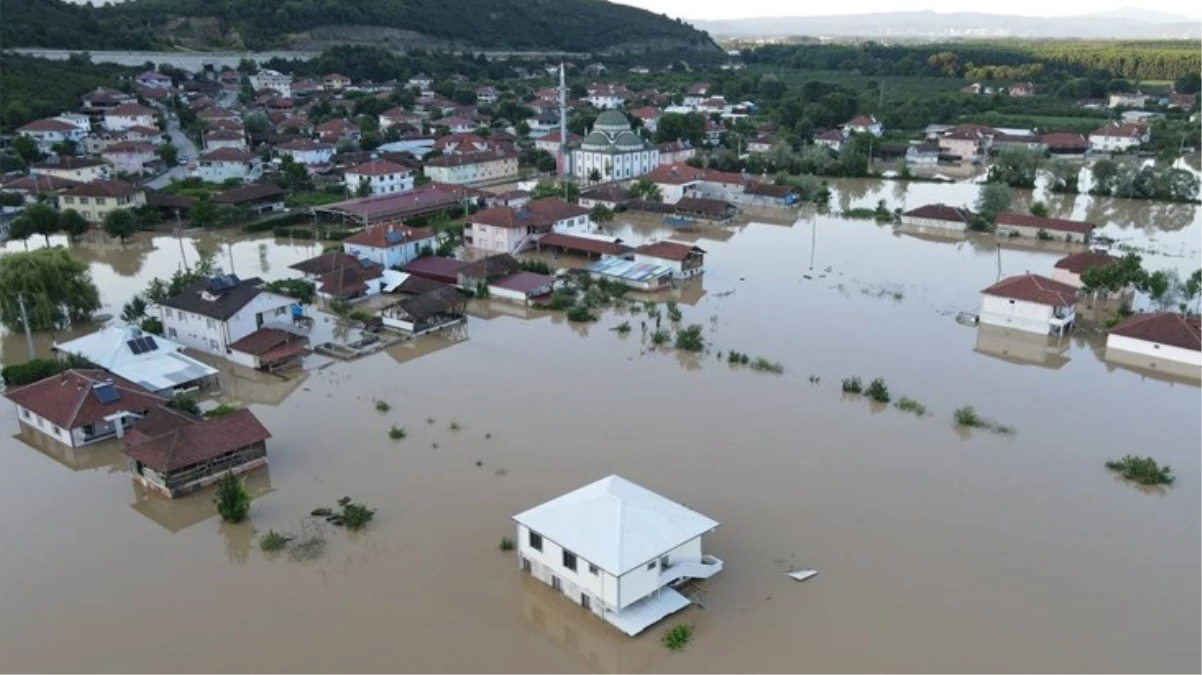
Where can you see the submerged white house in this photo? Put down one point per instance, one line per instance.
(618, 549)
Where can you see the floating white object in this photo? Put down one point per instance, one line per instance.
(802, 575)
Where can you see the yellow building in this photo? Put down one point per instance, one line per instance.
(97, 199)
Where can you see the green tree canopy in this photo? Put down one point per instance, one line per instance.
(56, 287)
(121, 223)
(72, 223)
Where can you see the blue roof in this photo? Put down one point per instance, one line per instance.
(629, 270)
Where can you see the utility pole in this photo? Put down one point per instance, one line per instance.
(25, 324)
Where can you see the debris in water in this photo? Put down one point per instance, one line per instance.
(479, 463)
(344, 501)
(803, 574)
(321, 513)
(806, 276)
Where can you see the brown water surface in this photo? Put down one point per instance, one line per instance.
(939, 550)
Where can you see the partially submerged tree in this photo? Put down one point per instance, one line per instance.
(56, 288)
(993, 199)
(72, 223)
(232, 500)
(121, 223)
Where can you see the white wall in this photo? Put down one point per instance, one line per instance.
(1152, 349)
(219, 172)
(602, 587)
(119, 122)
(381, 184)
(641, 582)
(932, 222)
(1017, 314)
(388, 257)
(193, 330)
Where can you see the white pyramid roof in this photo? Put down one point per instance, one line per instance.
(615, 524)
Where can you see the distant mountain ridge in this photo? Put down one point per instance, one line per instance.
(511, 25)
(1118, 24)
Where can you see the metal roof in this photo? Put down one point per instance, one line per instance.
(615, 524)
(122, 351)
(629, 270)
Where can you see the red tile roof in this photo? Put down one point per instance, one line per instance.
(1079, 262)
(861, 121)
(646, 113)
(941, 212)
(1049, 224)
(376, 167)
(48, 124)
(668, 250)
(1164, 328)
(128, 110)
(585, 244)
(173, 440)
(228, 155)
(1120, 131)
(1034, 288)
(470, 158)
(67, 400)
(542, 213)
(128, 146)
(524, 282)
(438, 269)
(379, 236)
(1064, 139)
(349, 280)
(250, 192)
(262, 340)
(104, 188)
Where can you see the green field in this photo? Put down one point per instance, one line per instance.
(893, 84)
(1082, 124)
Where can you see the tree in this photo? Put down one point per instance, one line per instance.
(601, 214)
(56, 287)
(21, 228)
(993, 199)
(1040, 209)
(594, 176)
(1104, 173)
(1190, 83)
(646, 189)
(1126, 272)
(257, 123)
(169, 154)
(1063, 176)
(675, 127)
(45, 220)
(364, 189)
(134, 310)
(121, 223)
(232, 500)
(72, 223)
(1016, 167)
(203, 211)
(295, 175)
(27, 148)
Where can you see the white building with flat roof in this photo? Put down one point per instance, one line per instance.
(617, 549)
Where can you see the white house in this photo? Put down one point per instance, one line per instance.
(79, 169)
(50, 131)
(650, 117)
(128, 115)
(521, 287)
(1118, 137)
(422, 83)
(940, 216)
(153, 79)
(685, 260)
(212, 314)
(271, 79)
(456, 125)
(307, 152)
(1037, 227)
(831, 138)
(607, 97)
(613, 151)
(1030, 302)
(617, 549)
(382, 176)
(926, 152)
(130, 157)
(1068, 270)
(218, 166)
(863, 124)
(487, 94)
(1163, 336)
(389, 245)
(152, 362)
(488, 166)
(80, 407)
(224, 138)
(1127, 99)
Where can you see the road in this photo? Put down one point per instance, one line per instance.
(186, 148)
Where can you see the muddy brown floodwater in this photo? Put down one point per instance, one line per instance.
(938, 550)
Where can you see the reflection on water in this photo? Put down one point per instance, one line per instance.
(176, 515)
(104, 455)
(599, 646)
(1023, 347)
(1150, 367)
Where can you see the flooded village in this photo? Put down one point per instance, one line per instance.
(481, 423)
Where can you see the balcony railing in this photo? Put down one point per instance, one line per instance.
(705, 568)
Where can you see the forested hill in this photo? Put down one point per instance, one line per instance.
(519, 25)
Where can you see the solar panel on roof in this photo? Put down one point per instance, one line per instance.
(134, 346)
(149, 343)
(394, 237)
(105, 393)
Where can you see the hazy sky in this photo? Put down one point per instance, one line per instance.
(734, 9)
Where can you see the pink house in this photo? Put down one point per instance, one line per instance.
(130, 156)
(675, 152)
(505, 229)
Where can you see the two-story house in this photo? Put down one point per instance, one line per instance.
(152, 79)
(863, 124)
(617, 549)
(307, 152)
(1119, 137)
(80, 169)
(128, 115)
(81, 407)
(381, 176)
(389, 244)
(272, 79)
(504, 229)
(224, 138)
(130, 157)
(212, 314)
(97, 199)
(472, 168)
(50, 132)
(218, 166)
(1030, 302)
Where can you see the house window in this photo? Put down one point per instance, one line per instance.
(209, 323)
(24, 413)
(536, 541)
(592, 569)
(651, 565)
(58, 431)
(569, 560)
(170, 314)
(171, 333)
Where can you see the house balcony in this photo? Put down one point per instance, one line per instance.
(705, 568)
(1062, 320)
